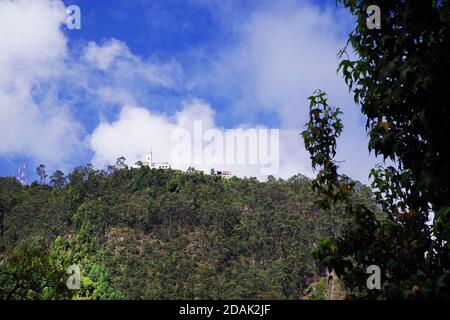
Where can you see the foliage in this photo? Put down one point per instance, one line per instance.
(57, 179)
(319, 289)
(28, 272)
(162, 234)
(400, 79)
(42, 174)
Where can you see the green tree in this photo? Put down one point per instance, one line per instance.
(57, 179)
(27, 272)
(120, 163)
(399, 78)
(42, 174)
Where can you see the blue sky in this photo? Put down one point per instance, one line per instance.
(138, 69)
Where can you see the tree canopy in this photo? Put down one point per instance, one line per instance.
(162, 234)
(400, 79)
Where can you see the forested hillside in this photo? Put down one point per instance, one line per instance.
(154, 234)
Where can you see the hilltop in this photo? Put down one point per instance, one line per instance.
(144, 233)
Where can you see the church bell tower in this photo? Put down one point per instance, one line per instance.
(149, 159)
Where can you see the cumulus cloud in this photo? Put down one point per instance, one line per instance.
(30, 31)
(137, 129)
(32, 52)
(43, 83)
(131, 135)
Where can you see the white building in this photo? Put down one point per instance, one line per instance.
(148, 161)
(154, 165)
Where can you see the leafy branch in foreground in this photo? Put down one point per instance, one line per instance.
(400, 80)
(323, 129)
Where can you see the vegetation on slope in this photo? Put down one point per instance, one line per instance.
(153, 234)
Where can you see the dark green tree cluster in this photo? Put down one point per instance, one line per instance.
(400, 78)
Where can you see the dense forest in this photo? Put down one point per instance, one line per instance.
(156, 234)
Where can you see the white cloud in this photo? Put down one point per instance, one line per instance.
(282, 54)
(112, 74)
(103, 56)
(137, 129)
(36, 66)
(289, 55)
(32, 52)
(114, 57)
(30, 31)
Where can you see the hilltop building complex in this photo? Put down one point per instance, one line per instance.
(148, 161)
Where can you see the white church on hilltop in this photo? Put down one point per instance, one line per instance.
(148, 161)
(154, 165)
